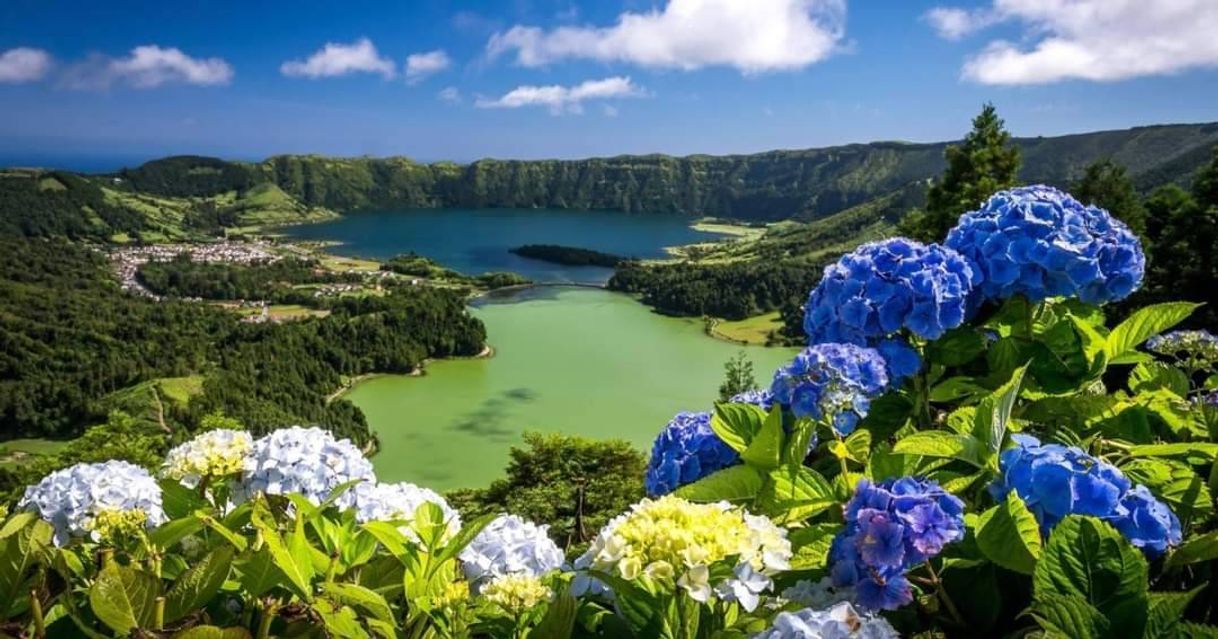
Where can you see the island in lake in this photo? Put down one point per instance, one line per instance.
(568, 255)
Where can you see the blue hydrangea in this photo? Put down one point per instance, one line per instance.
(308, 461)
(840, 621)
(901, 360)
(1055, 481)
(1039, 242)
(832, 382)
(883, 287)
(686, 451)
(510, 545)
(72, 499)
(762, 399)
(892, 527)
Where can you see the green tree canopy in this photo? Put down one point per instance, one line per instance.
(1106, 184)
(985, 162)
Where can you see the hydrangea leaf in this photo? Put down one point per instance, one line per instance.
(795, 494)
(299, 571)
(957, 347)
(1009, 536)
(18, 554)
(1070, 616)
(736, 424)
(199, 584)
(940, 443)
(736, 484)
(1144, 324)
(124, 598)
(362, 599)
(1193, 452)
(1174, 482)
(957, 388)
(1195, 550)
(1155, 375)
(765, 450)
(258, 573)
(212, 632)
(1166, 613)
(1089, 559)
(463, 537)
(810, 545)
(994, 412)
(179, 501)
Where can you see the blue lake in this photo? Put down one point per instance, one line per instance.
(475, 241)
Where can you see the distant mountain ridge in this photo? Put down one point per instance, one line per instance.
(788, 184)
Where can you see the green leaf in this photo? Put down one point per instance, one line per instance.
(736, 424)
(858, 446)
(362, 599)
(212, 632)
(1174, 482)
(1009, 536)
(219, 528)
(171, 532)
(124, 598)
(299, 573)
(1088, 558)
(1069, 617)
(17, 522)
(1194, 452)
(795, 494)
(1153, 375)
(737, 484)
(765, 450)
(994, 412)
(559, 620)
(1144, 324)
(639, 608)
(179, 501)
(199, 584)
(810, 545)
(464, 537)
(258, 573)
(1166, 613)
(940, 443)
(958, 388)
(341, 622)
(1197, 631)
(1195, 550)
(799, 442)
(19, 553)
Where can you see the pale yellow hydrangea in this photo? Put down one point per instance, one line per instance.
(111, 525)
(516, 593)
(453, 595)
(674, 540)
(215, 453)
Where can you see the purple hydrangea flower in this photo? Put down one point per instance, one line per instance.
(686, 451)
(834, 382)
(1039, 242)
(1055, 481)
(890, 528)
(883, 287)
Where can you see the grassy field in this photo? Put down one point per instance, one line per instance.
(280, 312)
(17, 451)
(339, 263)
(181, 389)
(754, 330)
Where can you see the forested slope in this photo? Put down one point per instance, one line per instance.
(799, 184)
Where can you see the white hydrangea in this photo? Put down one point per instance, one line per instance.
(72, 499)
(398, 502)
(818, 594)
(510, 545)
(841, 621)
(308, 461)
(215, 453)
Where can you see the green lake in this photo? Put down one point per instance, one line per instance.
(574, 360)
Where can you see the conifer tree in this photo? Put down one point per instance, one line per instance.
(983, 163)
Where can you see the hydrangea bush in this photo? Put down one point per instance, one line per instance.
(967, 447)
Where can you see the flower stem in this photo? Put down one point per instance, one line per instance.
(268, 616)
(40, 628)
(943, 596)
(158, 614)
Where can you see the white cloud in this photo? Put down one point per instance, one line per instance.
(952, 23)
(335, 59)
(421, 65)
(147, 67)
(753, 36)
(1097, 40)
(450, 95)
(24, 64)
(560, 99)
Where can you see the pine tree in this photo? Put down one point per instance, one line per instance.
(1107, 185)
(737, 377)
(985, 162)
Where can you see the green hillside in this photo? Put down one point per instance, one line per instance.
(792, 184)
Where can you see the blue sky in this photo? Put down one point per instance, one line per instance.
(554, 78)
